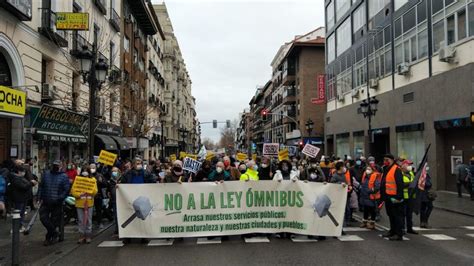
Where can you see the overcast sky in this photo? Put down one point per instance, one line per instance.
(228, 46)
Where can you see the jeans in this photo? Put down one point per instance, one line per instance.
(369, 211)
(395, 214)
(50, 216)
(85, 223)
(425, 211)
(21, 206)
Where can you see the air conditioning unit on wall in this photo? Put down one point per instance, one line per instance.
(47, 92)
(340, 95)
(447, 54)
(403, 69)
(355, 93)
(373, 83)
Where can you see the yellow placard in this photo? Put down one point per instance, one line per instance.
(210, 155)
(254, 157)
(182, 155)
(72, 21)
(83, 185)
(173, 157)
(283, 155)
(107, 158)
(12, 101)
(241, 157)
(192, 156)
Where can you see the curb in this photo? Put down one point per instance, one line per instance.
(453, 211)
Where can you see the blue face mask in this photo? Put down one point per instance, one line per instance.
(255, 167)
(114, 174)
(359, 162)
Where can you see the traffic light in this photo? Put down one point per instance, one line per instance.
(227, 122)
(264, 114)
(214, 123)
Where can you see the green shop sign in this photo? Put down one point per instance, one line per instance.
(55, 120)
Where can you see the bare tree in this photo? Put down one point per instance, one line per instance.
(209, 144)
(228, 136)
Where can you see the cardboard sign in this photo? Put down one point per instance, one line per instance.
(191, 165)
(83, 185)
(107, 158)
(241, 157)
(173, 157)
(271, 149)
(283, 155)
(292, 150)
(310, 150)
(254, 157)
(192, 156)
(182, 155)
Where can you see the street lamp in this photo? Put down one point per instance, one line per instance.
(94, 73)
(309, 126)
(184, 134)
(368, 108)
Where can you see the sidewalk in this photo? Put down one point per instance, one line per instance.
(450, 202)
(32, 250)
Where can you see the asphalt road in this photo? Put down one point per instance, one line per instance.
(367, 249)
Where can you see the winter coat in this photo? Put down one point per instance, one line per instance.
(365, 192)
(128, 176)
(215, 176)
(234, 173)
(424, 193)
(54, 187)
(20, 188)
(264, 173)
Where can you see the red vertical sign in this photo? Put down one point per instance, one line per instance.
(321, 91)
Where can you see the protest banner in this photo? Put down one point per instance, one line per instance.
(241, 157)
(254, 157)
(292, 150)
(271, 149)
(182, 155)
(210, 155)
(192, 156)
(107, 158)
(230, 208)
(191, 165)
(173, 157)
(83, 185)
(310, 150)
(283, 155)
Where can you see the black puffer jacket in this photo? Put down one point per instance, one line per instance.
(19, 188)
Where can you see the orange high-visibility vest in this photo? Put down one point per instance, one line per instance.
(390, 183)
(348, 178)
(375, 176)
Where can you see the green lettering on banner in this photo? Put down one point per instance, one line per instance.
(299, 199)
(169, 202)
(191, 203)
(282, 198)
(259, 198)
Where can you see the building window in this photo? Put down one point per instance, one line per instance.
(126, 44)
(400, 3)
(461, 24)
(423, 43)
(331, 48)
(358, 18)
(438, 35)
(111, 54)
(358, 146)
(343, 35)
(436, 6)
(342, 6)
(411, 145)
(330, 15)
(342, 146)
(409, 20)
(375, 6)
(471, 19)
(451, 31)
(421, 11)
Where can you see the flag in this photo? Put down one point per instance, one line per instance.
(202, 152)
(422, 179)
(418, 185)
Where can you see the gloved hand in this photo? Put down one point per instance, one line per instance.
(394, 200)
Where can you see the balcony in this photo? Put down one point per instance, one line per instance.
(77, 43)
(20, 9)
(48, 28)
(114, 19)
(289, 96)
(101, 5)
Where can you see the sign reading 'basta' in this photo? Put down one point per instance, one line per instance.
(230, 208)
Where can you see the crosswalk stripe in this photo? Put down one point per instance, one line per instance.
(355, 229)
(258, 239)
(110, 244)
(468, 227)
(350, 238)
(416, 228)
(471, 235)
(205, 241)
(302, 239)
(439, 237)
(161, 242)
(386, 238)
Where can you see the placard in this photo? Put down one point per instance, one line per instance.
(107, 158)
(173, 157)
(241, 157)
(310, 150)
(283, 155)
(271, 149)
(191, 165)
(83, 185)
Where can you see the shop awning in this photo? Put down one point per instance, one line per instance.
(122, 143)
(109, 143)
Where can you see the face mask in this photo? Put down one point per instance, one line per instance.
(369, 172)
(79, 171)
(69, 167)
(386, 163)
(264, 165)
(114, 174)
(410, 168)
(313, 176)
(219, 170)
(427, 168)
(139, 167)
(22, 174)
(93, 171)
(177, 169)
(85, 174)
(344, 169)
(242, 171)
(359, 163)
(255, 167)
(226, 163)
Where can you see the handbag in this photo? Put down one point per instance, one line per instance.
(432, 195)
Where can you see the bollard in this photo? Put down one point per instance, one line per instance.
(16, 237)
(61, 224)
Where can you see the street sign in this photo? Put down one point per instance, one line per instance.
(107, 158)
(12, 101)
(271, 149)
(310, 150)
(72, 21)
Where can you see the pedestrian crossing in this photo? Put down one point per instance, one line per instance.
(352, 234)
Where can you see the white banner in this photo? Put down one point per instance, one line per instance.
(229, 208)
(271, 148)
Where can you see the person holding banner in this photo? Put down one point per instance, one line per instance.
(427, 199)
(266, 169)
(251, 173)
(137, 175)
(219, 174)
(231, 169)
(84, 191)
(286, 172)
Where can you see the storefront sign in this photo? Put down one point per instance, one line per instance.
(72, 21)
(57, 120)
(232, 208)
(83, 185)
(59, 138)
(12, 101)
(109, 129)
(107, 158)
(321, 99)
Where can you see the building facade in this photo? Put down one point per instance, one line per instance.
(415, 58)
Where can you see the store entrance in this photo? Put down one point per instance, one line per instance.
(381, 145)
